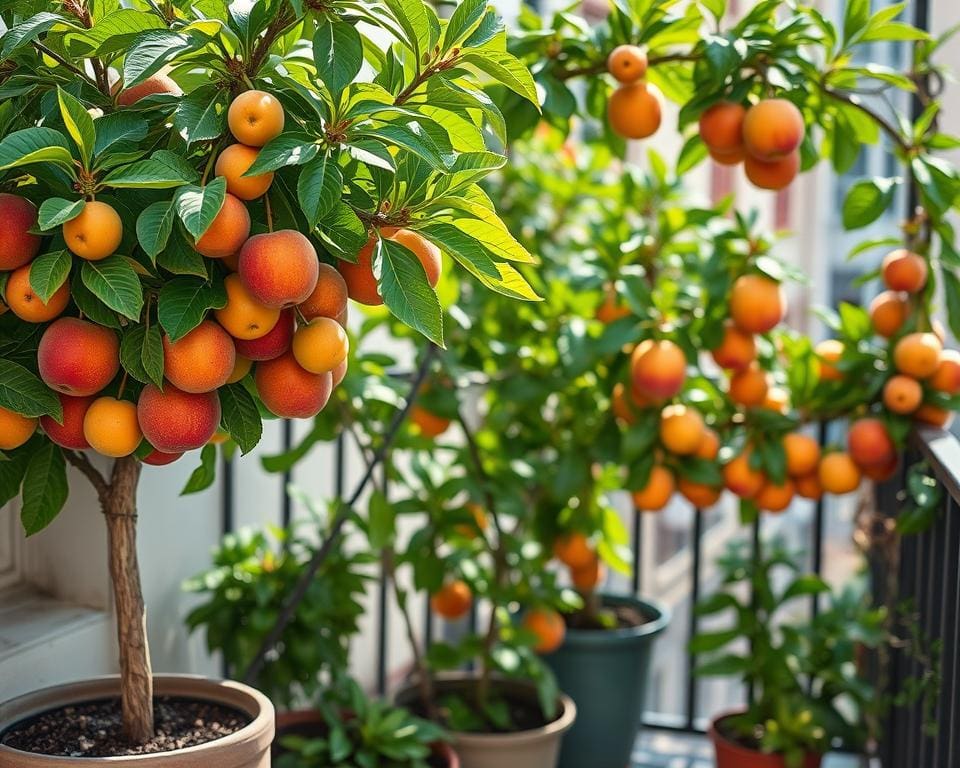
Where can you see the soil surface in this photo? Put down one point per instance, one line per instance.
(95, 729)
(624, 616)
(524, 715)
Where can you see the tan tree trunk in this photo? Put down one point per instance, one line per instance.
(119, 504)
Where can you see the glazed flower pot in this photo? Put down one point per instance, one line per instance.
(247, 748)
(535, 748)
(731, 754)
(310, 723)
(605, 672)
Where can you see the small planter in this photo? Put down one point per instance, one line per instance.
(731, 754)
(247, 748)
(605, 672)
(536, 748)
(309, 723)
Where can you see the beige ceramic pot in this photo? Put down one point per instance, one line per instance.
(537, 748)
(247, 748)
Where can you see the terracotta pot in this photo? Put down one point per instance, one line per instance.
(536, 748)
(309, 722)
(730, 754)
(247, 748)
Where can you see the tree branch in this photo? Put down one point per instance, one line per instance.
(884, 124)
(81, 462)
(64, 63)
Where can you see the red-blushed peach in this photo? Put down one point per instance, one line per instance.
(773, 129)
(329, 296)
(228, 232)
(658, 368)
(110, 426)
(361, 282)
(174, 421)
(339, 373)
(243, 316)
(757, 303)
(18, 245)
(77, 357)
(15, 429)
(288, 391)
(240, 369)
(158, 83)
(70, 433)
(160, 459)
(280, 268)
(275, 343)
(200, 361)
(426, 252)
(869, 443)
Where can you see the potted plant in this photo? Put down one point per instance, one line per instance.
(808, 693)
(189, 191)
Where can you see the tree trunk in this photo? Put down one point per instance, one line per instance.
(136, 677)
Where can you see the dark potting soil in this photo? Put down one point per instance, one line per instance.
(624, 617)
(95, 729)
(524, 715)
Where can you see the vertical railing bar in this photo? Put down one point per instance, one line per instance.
(382, 613)
(227, 523)
(818, 521)
(953, 725)
(935, 572)
(944, 710)
(914, 725)
(635, 544)
(340, 466)
(286, 504)
(692, 629)
(754, 553)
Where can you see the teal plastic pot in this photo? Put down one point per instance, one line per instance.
(605, 673)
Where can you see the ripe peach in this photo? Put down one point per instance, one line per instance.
(228, 231)
(700, 495)
(748, 387)
(904, 270)
(339, 373)
(721, 128)
(947, 376)
(160, 459)
(888, 312)
(586, 579)
(26, 305)
(740, 478)
(808, 486)
(548, 626)
(158, 83)
(243, 316)
(613, 307)
(772, 174)
(902, 394)
(634, 110)
(18, 245)
(426, 252)
(241, 368)
(918, 355)
(174, 421)
(627, 63)
(573, 550)
(869, 443)
(77, 357)
(803, 454)
(773, 129)
(727, 158)
(426, 423)
(235, 161)
(657, 492)
(329, 295)
(681, 429)
(320, 345)
(201, 361)
(70, 433)
(838, 473)
(621, 406)
(933, 415)
(773, 497)
(709, 446)
(288, 391)
(882, 472)
(828, 352)
(453, 600)
(777, 399)
(94, 234)
(15, 429)
(757, 303)
(255, 118)
(737, 349)
(275, 343)
(110, 427)
(361, 282)
(279, 269)
(658, 368)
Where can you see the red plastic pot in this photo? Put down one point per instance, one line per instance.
(730, 754)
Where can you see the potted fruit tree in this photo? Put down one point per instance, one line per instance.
(190, 195)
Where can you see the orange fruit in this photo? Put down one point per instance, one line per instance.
(26, 305)
(737, 349)
(428, 424)
(15, 429)
(586, 578)
(452, 600)
(657, 492)
(773, 497)
(902, 394)
(255, 118)
(700, 495)
(235, 161)
(658, 369)
(773, 175)
(748, 387)
(808, 486)
(777, 399)
(573, 550)
(627, 63)
(634, 110)
(709, 446)
(111, 427)
(740, 478)
(721, 128)
(94, 234)
(918, 355)
(803, 454)
(904, 270)
(828, 353)
(320, 345)
(933, 415)
(838, 473)
(888, 313)
(681, 429)
(947, 376)
(773, 129)
(757, 303)
(869, 443)
(548, 626)
(329, 296)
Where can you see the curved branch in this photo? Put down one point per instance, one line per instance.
(885, 125)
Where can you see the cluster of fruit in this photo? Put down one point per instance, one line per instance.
(765, 137)
(919, 371)
(635, 107)
(284, 311)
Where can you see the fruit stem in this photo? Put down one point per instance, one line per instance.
(210, 160)
(269, 210)
(123, 384)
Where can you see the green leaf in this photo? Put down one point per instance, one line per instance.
(28, 31)
(55, 211)
(319, 187)
(162, 171)
(45, 488)
(951, 291)
(201, 115)
(868, 200)
(856, 15)
(141, 354)
(90, 305)
(287, 149)
(199, 206)
(114, 32)
(462, 21)
(36, 145)
(343, 231)
(382, 522)
(48, 272)
(182, 259)
(413, 138)
(204, 475)
(338, 54)
(151, 51)
(506, 70)
(79, 124)
(807, 584)
(118, 128)
(22, 392)
(711, 641)
(461, 246)
(115, 282)
(185, 301)
(12, 470)
(405, 290)
(154, 226)
(241, 418)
